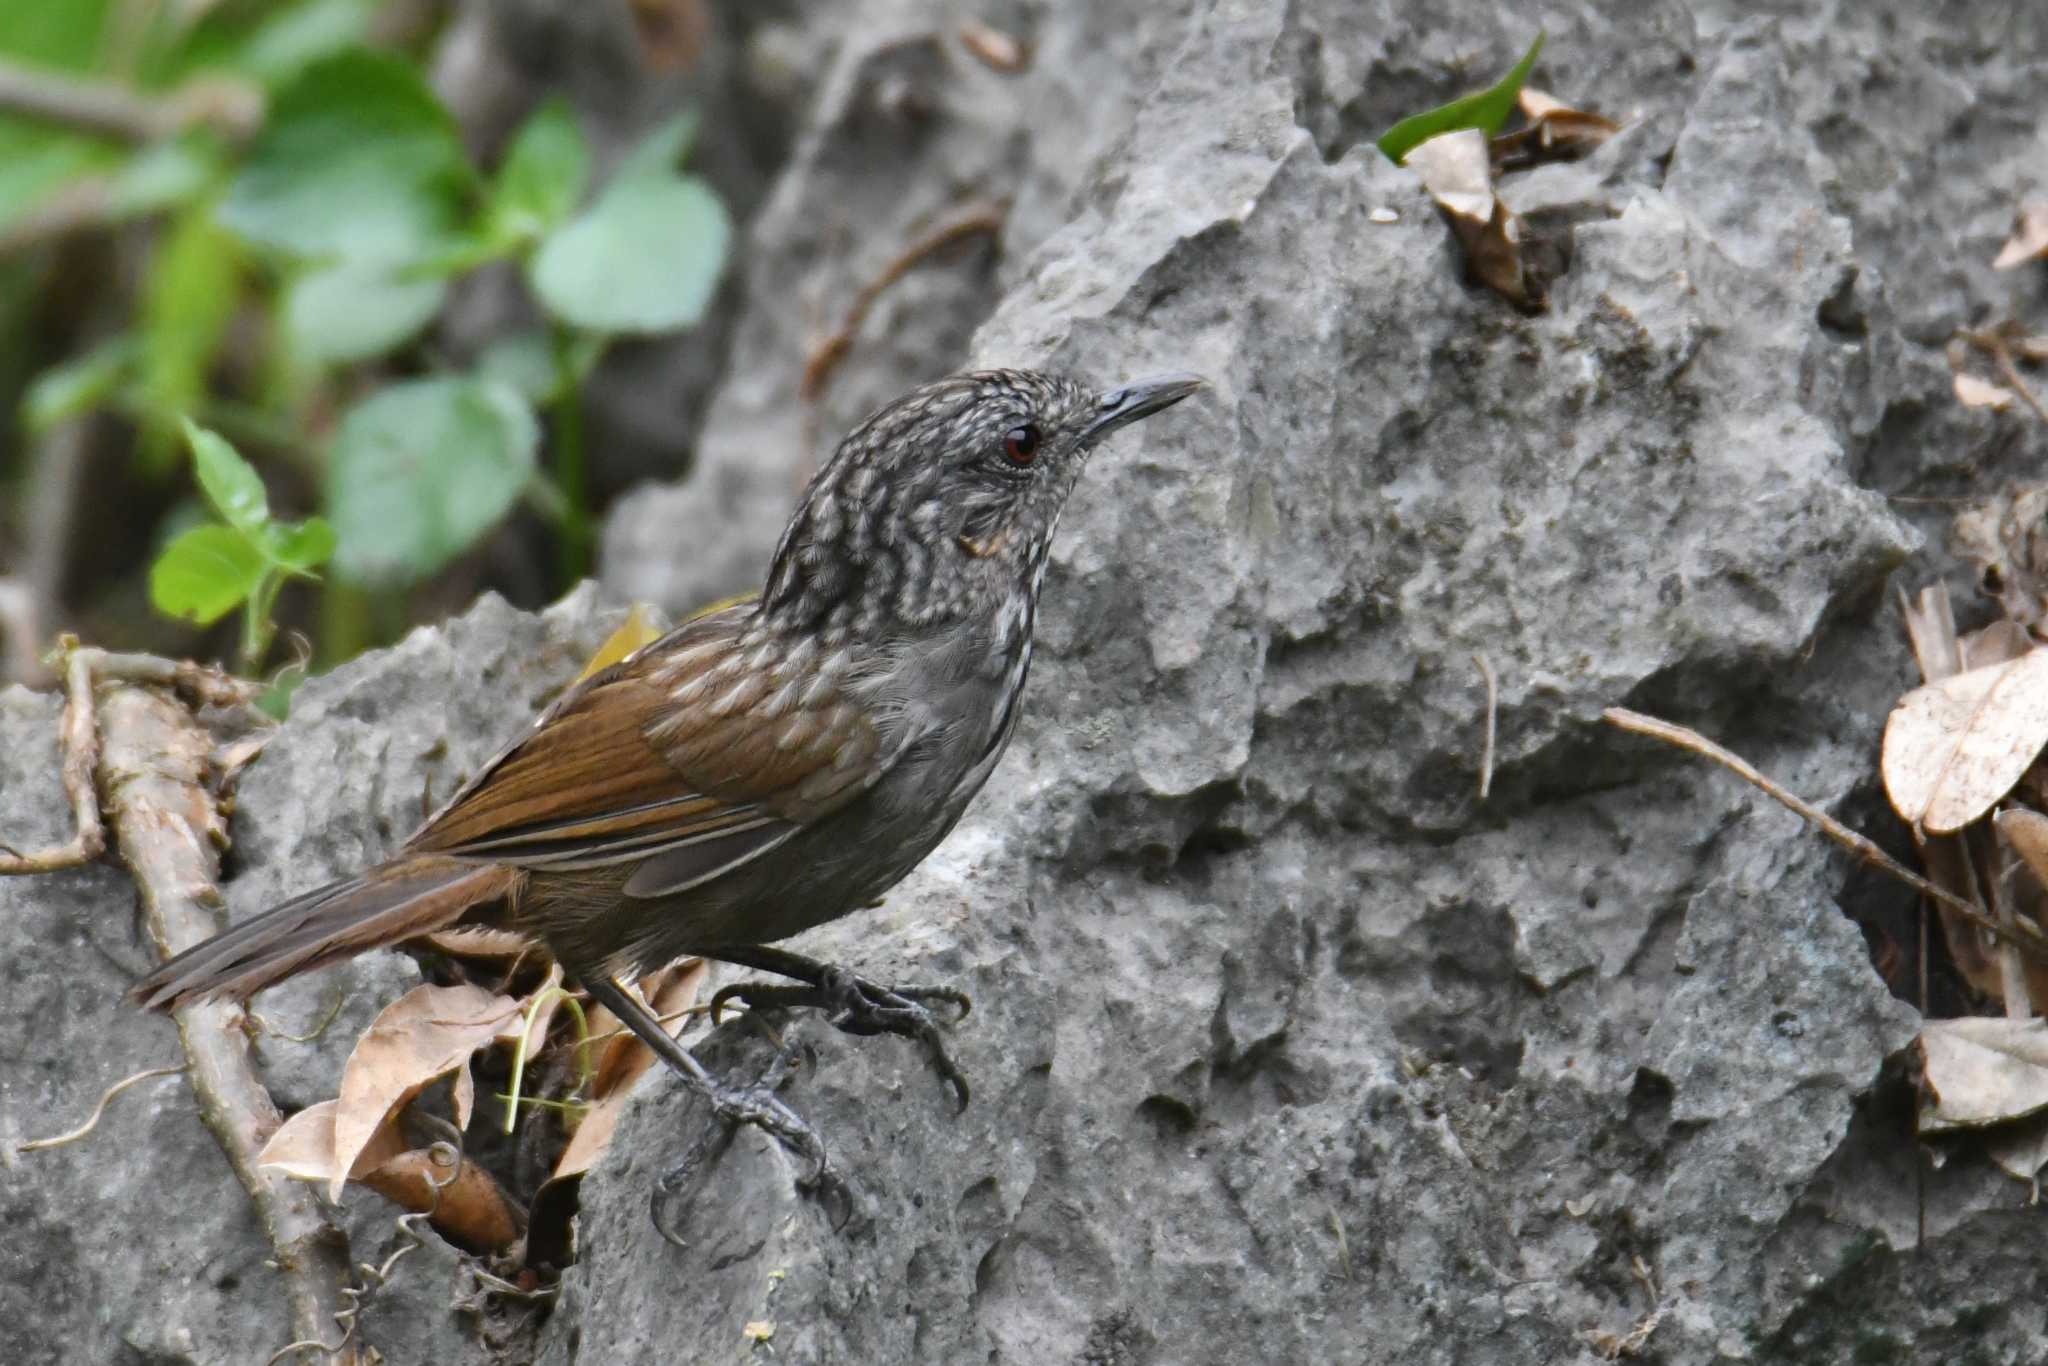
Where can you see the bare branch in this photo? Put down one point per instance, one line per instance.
(2022, 936)
(116, 111)
(78, 743)
(170, 829)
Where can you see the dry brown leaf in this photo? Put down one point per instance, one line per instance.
(672, 989)
(471, 1207)
(1556, 132)
(1457, 170)
(1972, 392)
(1931, 630)
(2029, 240)
(424, 1035)
(1982, 1071)
(1999, 643)
(2020, 1150)
(303, 1146)
(1953, 747)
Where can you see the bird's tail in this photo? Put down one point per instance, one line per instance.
(410, 896)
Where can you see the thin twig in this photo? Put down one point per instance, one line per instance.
(982, 217)
(1993, 345)
(1492, 713)
(153, 776)
(2028, 940)
(78, 744)
(93, 1121)
(111, 110)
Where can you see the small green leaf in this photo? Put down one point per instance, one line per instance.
(645, 258)
(299, 547)
(205, 574)
(231, 485)
(523, 362)
(358, 160)
(1487, 111)
(543, 176)
(77, 386)
(354, 310)
(164, 175)
(421, 471)
(299, 35)
(661, 151)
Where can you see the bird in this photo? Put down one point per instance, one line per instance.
(765, 767)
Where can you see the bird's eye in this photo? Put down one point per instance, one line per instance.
(1020, 444)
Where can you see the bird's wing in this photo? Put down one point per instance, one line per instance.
(702, 752)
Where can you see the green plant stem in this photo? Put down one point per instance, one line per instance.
(344, 622)
(570, 478)
(259, 624)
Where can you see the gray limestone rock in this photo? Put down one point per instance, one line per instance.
(1286, 1046)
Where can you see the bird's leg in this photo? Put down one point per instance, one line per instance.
(850, 1002)
(756, 1105)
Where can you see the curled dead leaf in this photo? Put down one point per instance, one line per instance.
(1457, 170)
(1982, 1071)
(1954, 747)
(424, 1035)
(303, 1146)
(626, 1059)
(469, 1206)
(1555, 132)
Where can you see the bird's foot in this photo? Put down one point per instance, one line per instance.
(858, 1006)
(758, 1106)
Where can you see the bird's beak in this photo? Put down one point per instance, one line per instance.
(1126, 404)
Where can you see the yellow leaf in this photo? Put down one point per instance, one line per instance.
(635, 631)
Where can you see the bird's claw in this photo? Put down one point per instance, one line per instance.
(857, 1006)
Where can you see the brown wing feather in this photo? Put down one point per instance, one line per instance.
(706, 746)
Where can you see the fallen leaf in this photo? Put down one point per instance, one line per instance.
(303, 1146)
(1982, 1071)
(1953, 747)
(424, 1035)
(626, 1059)
(1457, 170)
(2020, 1150)
(1999, 643)
(1931, 630)
(2029, 240)
(1972, 392)
(1556, 132)
(470, 1207)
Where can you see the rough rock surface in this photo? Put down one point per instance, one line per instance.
(1286, 1047)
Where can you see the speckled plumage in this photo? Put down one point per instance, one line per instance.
(770, 766)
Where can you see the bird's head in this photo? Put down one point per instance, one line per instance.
(947, 499)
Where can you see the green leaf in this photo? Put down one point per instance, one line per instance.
(661, 151)
(421, 471)
(78, 385)
(294, 38)
(358, 160)
(205, 574)
(543, 176)
(645, 258)
(164, 175)
(523, 362)
(189, 298)
(231, 484)
(1487, 111)
(300, 547)
(354, 310)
